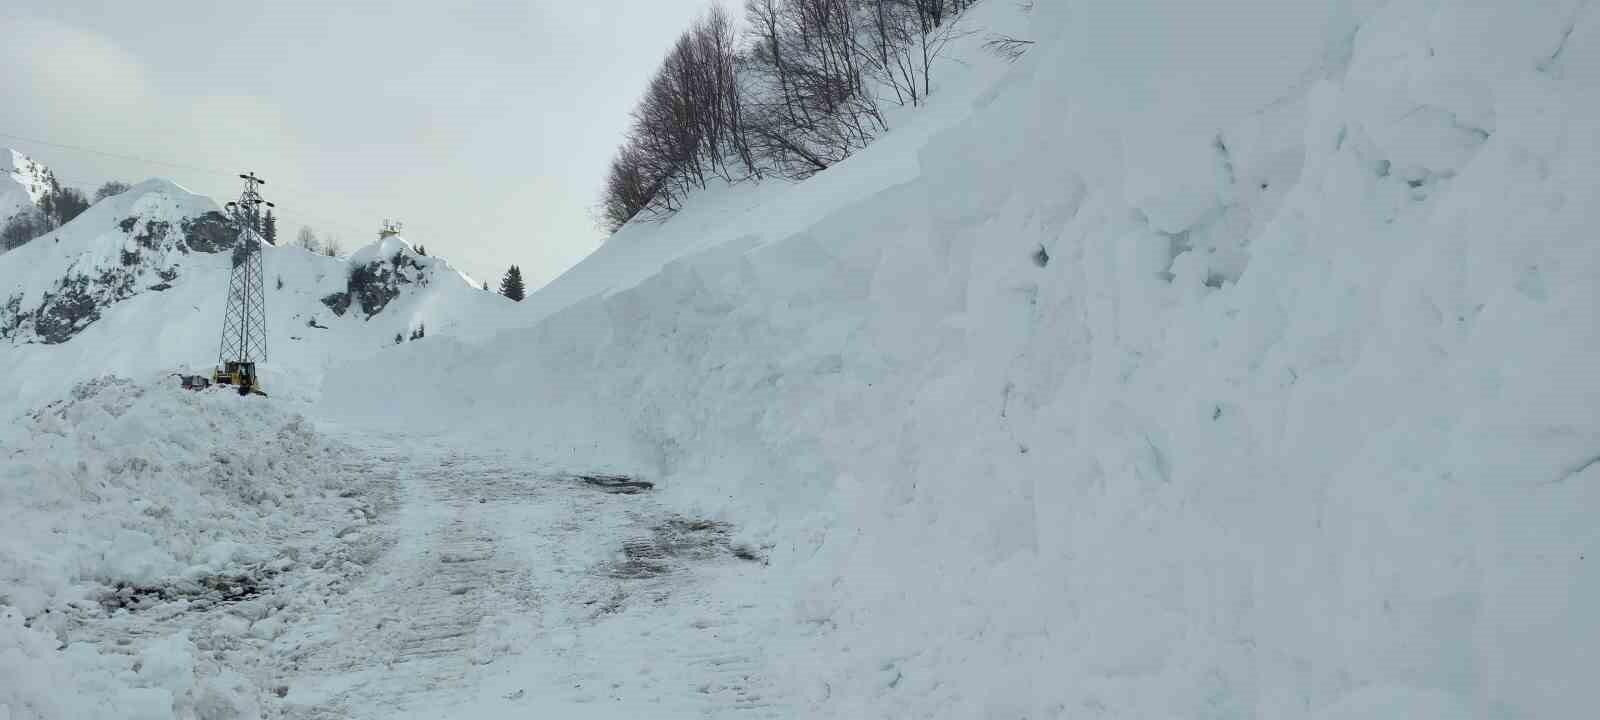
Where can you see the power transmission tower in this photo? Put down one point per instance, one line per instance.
(244, 323)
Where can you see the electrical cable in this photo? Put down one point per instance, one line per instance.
(197, 168)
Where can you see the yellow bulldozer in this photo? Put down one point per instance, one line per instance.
(241, 375)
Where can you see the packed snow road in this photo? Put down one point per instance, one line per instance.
(464, 586)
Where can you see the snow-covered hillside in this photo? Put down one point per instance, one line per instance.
(137, 283)
(23, 183)
(1211, 360)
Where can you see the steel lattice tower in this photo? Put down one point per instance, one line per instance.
(244, 323)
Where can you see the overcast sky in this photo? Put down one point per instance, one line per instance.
(484, 125)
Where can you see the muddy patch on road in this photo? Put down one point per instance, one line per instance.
(200, 593)
(671, 544)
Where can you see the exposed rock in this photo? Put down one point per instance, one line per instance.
(210, 233)
(375, 284)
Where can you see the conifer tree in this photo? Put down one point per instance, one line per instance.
(269, 228)
(511, 285)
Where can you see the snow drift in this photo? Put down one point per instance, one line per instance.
(1212, 360)
(131, 497)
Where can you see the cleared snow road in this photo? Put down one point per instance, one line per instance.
(503, 591)
(444, 584)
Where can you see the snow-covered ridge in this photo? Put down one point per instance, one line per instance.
(53, 288)
(137, 283)
(23, 182)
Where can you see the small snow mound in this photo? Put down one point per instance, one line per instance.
(382, 249)
(132, 496)
(129, 479)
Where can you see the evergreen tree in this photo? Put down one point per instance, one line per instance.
(31, 223)
(269, 228)
(511, 285)
(61, 204)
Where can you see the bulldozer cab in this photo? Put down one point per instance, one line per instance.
(241, 375)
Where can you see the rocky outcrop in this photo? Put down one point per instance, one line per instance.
(373, 285)
(141, 251)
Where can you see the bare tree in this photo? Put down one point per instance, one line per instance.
(109, 189)
(890, 47)
(909, 35)
(686, 130)
(1007, 47)
(798, 92)
(629, 188)
(807, 105)
(331, 246)
(307, 239)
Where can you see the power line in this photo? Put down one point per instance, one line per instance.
(302, 192)
(295, 216)
(120, 156)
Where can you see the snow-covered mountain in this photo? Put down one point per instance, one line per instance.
(137, 283)
(129, 244)
(23, 182)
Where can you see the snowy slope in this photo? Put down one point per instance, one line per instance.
(1212, 360)
(22, 183)
(136, 284)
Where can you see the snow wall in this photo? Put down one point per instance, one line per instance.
(1228, 359)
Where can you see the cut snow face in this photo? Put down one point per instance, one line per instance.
(1209, 360)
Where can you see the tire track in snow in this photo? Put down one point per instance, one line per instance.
(410, 638)
(480, 541)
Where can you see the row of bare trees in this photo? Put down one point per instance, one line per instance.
(802, 88)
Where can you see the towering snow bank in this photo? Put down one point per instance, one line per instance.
(1214, 360)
